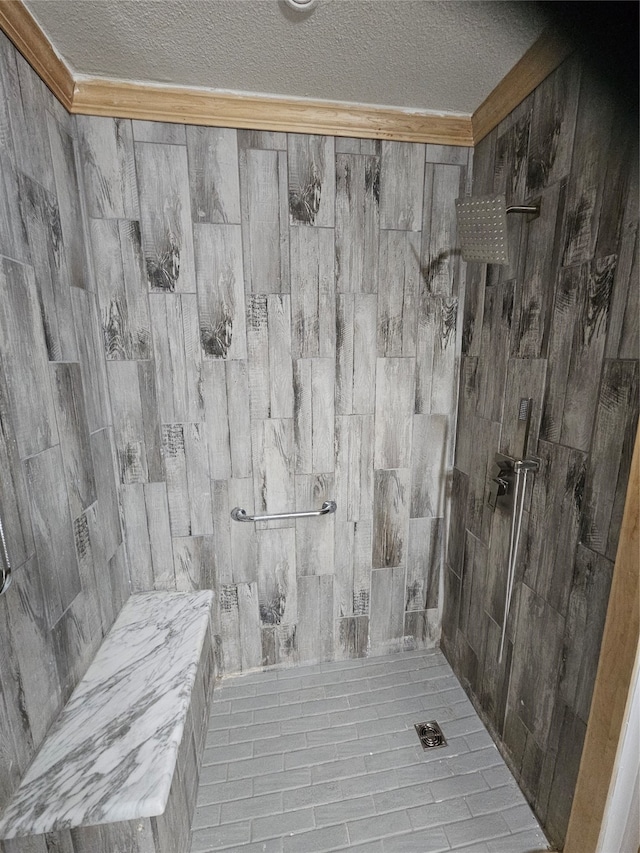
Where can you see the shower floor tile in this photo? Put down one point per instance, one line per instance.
(326, 758)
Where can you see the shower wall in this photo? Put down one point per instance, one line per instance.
(279, 316)
(560, 325)
(58, 489)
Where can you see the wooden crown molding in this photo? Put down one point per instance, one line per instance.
(543, 57)
(95, 96)
(153, 102)
(19, 25)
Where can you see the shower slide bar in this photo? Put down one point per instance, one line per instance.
(328, 507)
(5, 581)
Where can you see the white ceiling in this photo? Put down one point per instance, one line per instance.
(427, 55)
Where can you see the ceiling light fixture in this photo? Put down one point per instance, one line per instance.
(301, 5)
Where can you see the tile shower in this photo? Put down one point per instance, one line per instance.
(194, 319)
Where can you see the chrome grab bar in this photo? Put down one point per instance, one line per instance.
(238, 514)
(5, 583)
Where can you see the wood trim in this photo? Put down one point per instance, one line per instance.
(19, 25)
(95, 96)
(613, 679)
(543, 57)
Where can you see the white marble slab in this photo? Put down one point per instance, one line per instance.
(111, 754)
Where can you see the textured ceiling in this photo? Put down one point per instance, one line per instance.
(416, 54)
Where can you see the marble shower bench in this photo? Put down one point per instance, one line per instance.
(118, 770)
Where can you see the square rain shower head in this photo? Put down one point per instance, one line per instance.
(482, 228)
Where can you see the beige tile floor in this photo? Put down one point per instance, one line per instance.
(323, 758)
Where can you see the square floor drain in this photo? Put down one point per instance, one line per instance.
(430, 735)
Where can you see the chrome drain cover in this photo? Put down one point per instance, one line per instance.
(430, 735)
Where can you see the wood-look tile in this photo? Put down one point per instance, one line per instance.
(31, 658)
(401, 185)
(557, 495)
(354, 466)
(395, 394)
(607, 474)
(313, 301)
(243, 564)
(391, 500)
(576, 352)
(533, 306)
(586, 613)
(108, 164)
(165, 205)
(102, 450)
(265, 232)
(314, 634)
(437, 355)
(52, 531)
(41, 216)
(69, 204)
(352, 637)
(277, 576)
(439, 255)
(424, 563)
(74, 436)
(525, 380)
(26, 97)
(314, 415)
(387, 603)
(24, 358)
(174, 322)
(92, 364)
(357, 222)
(314, 536)
(311, 180)
(428, 468)
(136, 534)
(623, 337)
(355, 353)
(213, 174)
(127, 421)
(14, 499)
(220, 281)
(534, 674)
(555, 106)
(238, 408)
(398, 294)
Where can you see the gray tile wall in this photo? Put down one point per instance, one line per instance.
(59, 493)
(279, 316)
(559, 325)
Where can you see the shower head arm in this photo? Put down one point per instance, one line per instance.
(524, 208)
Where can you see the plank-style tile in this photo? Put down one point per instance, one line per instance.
(439, 256)
(68, 195)
(277, 581)
(24, 357)
(314, 634)
(52, 532)
(311, 180)
(356, 349)
(395, 394)
(165, 205)
(357, 222)
(213, 174)
(401, 185)
(74, 436)
(313, 301)
(576, 352)
(390, 517)
(387, 602)
(41, 216)
(265, 232)
(398, 294)
(108, 165)
(219, 273)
